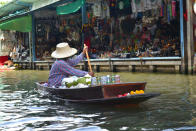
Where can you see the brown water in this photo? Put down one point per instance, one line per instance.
(22, 107)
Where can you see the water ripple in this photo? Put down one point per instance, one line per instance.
(22, 107)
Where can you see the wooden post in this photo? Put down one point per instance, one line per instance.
(85, 65)
(96, 68)
(84, 19)
(190, 40)
(177, 68)
(130, 68)
(141, 61)
(30, 49)
(111, 68)
(33, 38)
(152, 68)
(182, 36)
(81, 67)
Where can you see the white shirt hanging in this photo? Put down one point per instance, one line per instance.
(97, 9)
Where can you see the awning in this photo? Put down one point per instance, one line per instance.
(22, 24)
(70, 7)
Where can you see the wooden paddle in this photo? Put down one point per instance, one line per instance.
(89, 64)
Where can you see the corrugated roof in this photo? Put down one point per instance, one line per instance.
(42, 3)
(28, 1)
(14, 6)
(18, 8)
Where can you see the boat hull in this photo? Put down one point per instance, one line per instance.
(104, 94)
(132, 99)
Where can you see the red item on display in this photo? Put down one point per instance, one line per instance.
(174, 8)
(185, 16)
(87, 42)
(3, 59)
(112, 3)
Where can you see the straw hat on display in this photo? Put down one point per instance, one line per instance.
(63, 50)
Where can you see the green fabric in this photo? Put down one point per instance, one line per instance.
(70, 8)
(127, 3)
(22, 24)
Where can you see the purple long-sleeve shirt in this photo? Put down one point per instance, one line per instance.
(62, 69)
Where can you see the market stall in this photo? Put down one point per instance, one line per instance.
(14, 38)
(129, 29)
(115, 29)
(15, 44)
(52, 29)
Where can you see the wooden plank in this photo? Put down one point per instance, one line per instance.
(149, 63)
(190, 40)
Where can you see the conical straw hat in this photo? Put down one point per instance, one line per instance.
(63, 50)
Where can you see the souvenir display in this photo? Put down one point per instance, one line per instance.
(14, 44)
(136, 28)
(115, 29)
(52, 30)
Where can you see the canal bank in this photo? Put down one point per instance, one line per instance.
(170, 65)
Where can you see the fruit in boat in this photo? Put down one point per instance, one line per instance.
(141, 92)
(132, 93)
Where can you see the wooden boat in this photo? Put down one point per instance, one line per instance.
(5, 68)
(103, 94)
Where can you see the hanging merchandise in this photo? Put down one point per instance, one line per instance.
(61, 28)
(124, 7)
(143, 6)
(168, 13)
(127, 25)
(154, 4)
(105, 10)
(137, 1)
(139, 6)
(40, 30)
(75, 36)
(113, 8)
(162, 10)
(47, 27)
(139, 15)
(97, 11)
(134, 10)
(170, 10)
(158, 3)
(148, 5)
(173, 8)
(121, 5)
(185, 15)
(165, 10)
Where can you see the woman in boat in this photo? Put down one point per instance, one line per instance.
(63, 66)
(8, 62)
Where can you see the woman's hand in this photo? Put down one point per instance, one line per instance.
(85, 49)
(91, 74)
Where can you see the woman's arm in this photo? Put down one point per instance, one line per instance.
(67, 69)
(75, 61)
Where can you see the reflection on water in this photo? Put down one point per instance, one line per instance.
(24, 108)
